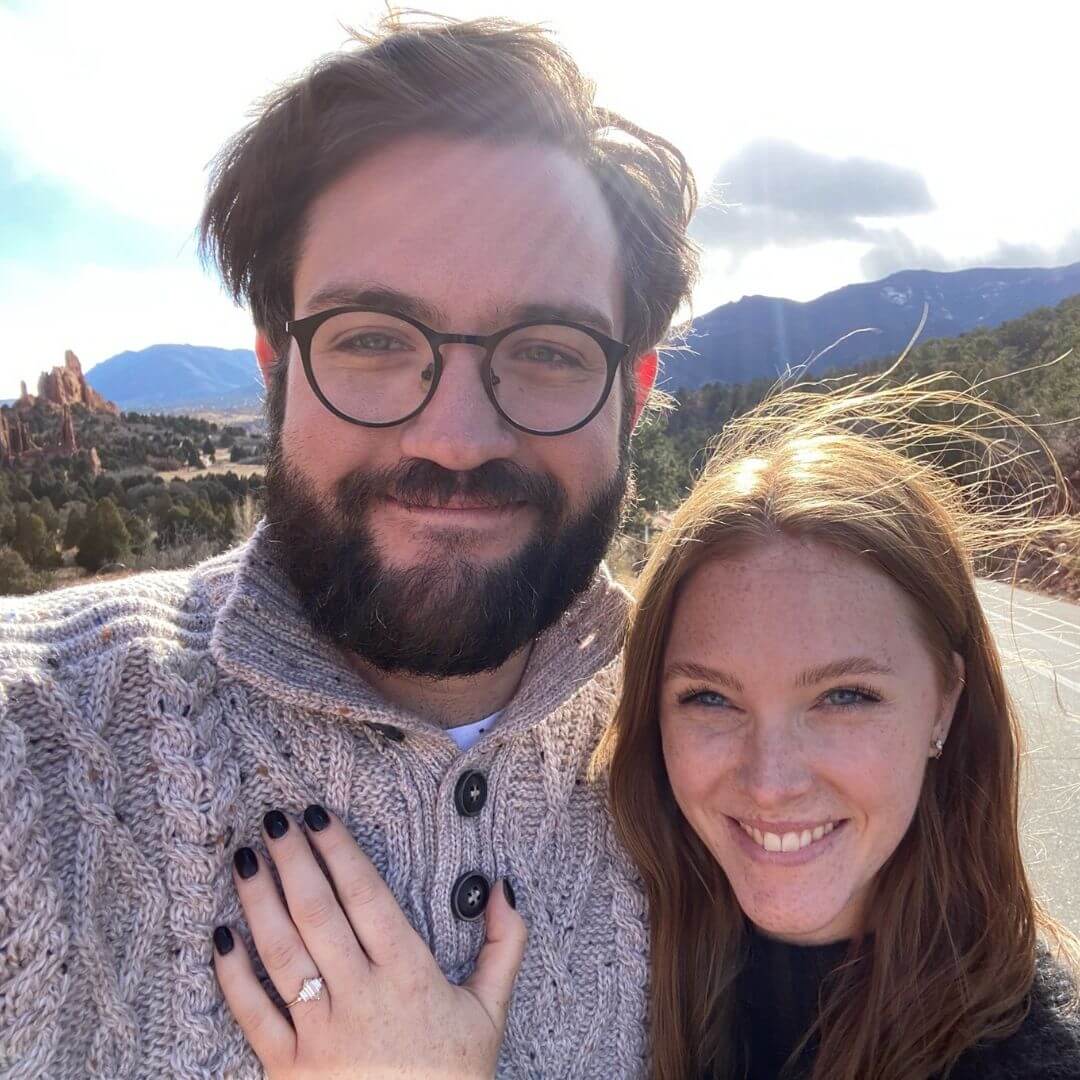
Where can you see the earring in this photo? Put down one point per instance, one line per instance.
(938, 745)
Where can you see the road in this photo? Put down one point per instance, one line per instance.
(1039, 639)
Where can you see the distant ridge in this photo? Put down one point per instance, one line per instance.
(164, 377)
(760, 335)
(757, 336)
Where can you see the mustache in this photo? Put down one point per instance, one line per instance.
(419, 482)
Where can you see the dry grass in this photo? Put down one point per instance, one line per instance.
(219, 468)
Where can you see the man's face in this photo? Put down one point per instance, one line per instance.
(423, 546)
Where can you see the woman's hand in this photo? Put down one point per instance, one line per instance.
(386, 1010)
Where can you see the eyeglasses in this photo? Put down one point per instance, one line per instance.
(380, 368)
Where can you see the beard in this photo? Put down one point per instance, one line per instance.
(452, 616)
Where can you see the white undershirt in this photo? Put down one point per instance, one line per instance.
(467, 735)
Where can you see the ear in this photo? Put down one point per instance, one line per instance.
(951, 698)
(645, 370)
(264, 353)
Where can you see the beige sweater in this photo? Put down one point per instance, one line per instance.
(147, 725)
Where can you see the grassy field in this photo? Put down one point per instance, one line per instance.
(219, 468)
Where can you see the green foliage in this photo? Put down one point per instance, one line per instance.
(105, 538)
(73, 530)
(659, 476)
(32, 540)
(1014, 362)
(16, 578)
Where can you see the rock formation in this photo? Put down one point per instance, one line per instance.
(67, 434)
(64, 386)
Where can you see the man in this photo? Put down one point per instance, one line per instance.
(458, 269)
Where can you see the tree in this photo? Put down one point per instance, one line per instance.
(660, 477)
(74, 528)
(16, 578)
(32, 539)
(190, 454)
(209, 449)
(105, 538)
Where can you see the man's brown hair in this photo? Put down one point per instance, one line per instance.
(488, 78)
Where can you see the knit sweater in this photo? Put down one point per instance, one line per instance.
(146, 726)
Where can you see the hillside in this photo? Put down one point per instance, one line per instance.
(755, 337)
(168, 377)
(670, 450)
(761, 336)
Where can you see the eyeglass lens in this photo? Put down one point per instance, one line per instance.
(378, 369)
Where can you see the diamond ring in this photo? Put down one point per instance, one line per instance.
(310, 991)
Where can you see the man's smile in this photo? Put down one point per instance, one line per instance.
(456, 512)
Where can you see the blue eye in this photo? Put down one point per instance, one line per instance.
(847, 697)
(709, 698)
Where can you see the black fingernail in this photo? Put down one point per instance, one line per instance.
(316, 818)
(276, 824)
(223, 940)
(245, 862)
(508, 891)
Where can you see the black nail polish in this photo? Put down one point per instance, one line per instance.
(508, 891)
(316, 818)
(276, 824)
(245, 862)
(223, 940)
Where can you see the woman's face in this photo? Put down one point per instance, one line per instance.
(798, 705)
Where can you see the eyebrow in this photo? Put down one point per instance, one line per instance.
(341, 294)
(851, 665)
(381, 297)
(689, 670)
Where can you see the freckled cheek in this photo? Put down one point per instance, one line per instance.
(880, 783)
(700, 771)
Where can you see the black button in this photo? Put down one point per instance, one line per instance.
(469, 896)
(470, 794)
(392, 733)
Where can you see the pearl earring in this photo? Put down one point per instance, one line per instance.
(938, 745)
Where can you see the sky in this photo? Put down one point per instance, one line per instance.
(834, 142)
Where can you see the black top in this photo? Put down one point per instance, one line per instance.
(777, 996)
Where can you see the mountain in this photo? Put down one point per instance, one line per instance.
(759, 336)
(755, 337)
(165, 377)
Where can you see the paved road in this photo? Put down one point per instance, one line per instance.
(1039, 640)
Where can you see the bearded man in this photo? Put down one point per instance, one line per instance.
(458, 268)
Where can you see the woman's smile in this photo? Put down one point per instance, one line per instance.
(787, 846)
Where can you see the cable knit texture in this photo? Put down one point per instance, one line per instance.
(146, 726)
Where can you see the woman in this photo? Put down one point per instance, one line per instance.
(814, 764)
(814, 761)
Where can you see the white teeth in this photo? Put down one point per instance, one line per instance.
(792, 841)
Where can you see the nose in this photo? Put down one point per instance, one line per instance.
(775, 770)
(459, 428)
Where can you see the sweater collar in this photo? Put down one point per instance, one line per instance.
(262, 637)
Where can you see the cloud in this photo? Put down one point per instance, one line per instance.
(44, 223)
(893, 250)
(774, 192)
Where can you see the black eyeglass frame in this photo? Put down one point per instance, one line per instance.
(303, 332)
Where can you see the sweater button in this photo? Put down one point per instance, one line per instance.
(388, 731)
(469, 896)
(470, 793)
